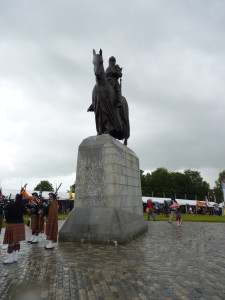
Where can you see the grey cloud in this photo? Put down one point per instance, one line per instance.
(172, 54)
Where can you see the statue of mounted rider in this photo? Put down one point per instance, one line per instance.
(113, 74)
(110, 107)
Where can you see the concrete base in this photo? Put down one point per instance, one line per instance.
(101, 225)
(108, 199)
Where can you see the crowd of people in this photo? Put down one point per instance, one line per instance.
(65, 206)
(173, 207)
(154, 209)
(15, 228)
(165, 209)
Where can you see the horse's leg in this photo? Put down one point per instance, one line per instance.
(125, 142)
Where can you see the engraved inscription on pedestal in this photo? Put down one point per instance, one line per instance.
(90, 179)
(108, 175)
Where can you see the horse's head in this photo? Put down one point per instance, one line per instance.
(98, 64)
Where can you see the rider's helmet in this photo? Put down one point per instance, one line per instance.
(112, 58)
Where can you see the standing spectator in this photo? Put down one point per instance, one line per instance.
(173, 210)
(157, 208)
(63, 207)
(178, 216)
(71, 205)
(150, 207)
(15, 229)
(68, 207)
(166, 208)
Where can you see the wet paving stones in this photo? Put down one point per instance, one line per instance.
(167, 262)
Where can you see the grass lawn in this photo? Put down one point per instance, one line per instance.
(185, 218)
(191, 218)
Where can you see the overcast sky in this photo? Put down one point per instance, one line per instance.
(173, 59)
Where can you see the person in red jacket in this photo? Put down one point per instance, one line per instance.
(150, 207)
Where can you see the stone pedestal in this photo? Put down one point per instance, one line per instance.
(108, 200)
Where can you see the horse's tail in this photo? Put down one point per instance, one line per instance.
(125, 118)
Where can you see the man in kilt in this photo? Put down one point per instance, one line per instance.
(35, 209)
(52, 222)
(1, 212)
(1, 219)
(15, 229)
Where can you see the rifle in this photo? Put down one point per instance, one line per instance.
(40, 194)
(56, 192)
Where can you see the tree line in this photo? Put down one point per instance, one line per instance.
(187, 185)
(164, 184)
(45, 185)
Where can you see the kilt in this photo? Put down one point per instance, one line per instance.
(52, 222)
(34, 223)
(37, 223)
(41, 223)
(14, 233)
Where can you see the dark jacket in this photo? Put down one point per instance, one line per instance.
(14, 213)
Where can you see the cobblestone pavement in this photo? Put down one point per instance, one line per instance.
(167, 262)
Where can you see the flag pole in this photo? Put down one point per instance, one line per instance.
(223, 190)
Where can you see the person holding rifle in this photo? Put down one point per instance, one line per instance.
(15, 229)
(35, 210)
(51, 221)
(1, 209)
(3, 204)
(1, 212)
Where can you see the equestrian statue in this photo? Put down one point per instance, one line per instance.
(110, 107)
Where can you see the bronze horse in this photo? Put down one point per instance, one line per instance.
(110, 118)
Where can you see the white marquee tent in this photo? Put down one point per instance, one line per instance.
(61, 195)
(65, 196)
